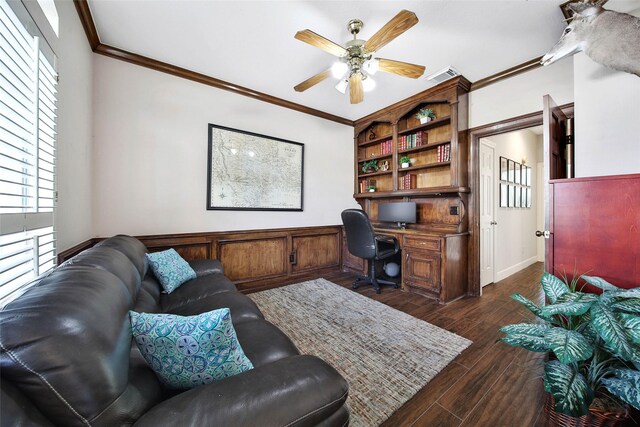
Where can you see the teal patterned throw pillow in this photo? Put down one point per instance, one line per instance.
(186, 352)
(170, 269)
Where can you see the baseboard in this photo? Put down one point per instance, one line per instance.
(503, 274)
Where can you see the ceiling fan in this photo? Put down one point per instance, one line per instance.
(356, 63)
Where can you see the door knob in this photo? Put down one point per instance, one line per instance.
(545, 233)
(493, 223)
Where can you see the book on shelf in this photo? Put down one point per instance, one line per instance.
(444, 153)
(414, 140)
(408, 182)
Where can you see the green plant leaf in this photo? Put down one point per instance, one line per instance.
(553, 287)
(526, 335)
(612, 331)
(599, 282)
(571, 304)
(629, 305)
(531, 306)
(631, 325)
(569, 388)
(625, 385)
(568, 346)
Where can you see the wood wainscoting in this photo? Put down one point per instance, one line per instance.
(254, 259)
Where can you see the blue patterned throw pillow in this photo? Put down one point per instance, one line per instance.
(186, 352)
(170, 269)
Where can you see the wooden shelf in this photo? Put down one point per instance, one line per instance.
(381, 156)
(432, 191)
(424, 147)
(377, 140)
(366, 175)
(427, 166)
(432, 124)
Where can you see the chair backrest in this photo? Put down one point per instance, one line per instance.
(361, 239)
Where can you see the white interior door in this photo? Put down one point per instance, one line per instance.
(487, 212)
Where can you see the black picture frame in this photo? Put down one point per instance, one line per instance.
(518, 196)
(279, 188)
(503, 168)
(528, 197)
(512, 171)
(504, 195)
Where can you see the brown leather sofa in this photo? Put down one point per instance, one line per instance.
(67, 356)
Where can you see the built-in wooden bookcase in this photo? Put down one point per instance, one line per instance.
(438, 149)
(434, 249)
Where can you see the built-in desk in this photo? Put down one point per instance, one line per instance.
(433, 264)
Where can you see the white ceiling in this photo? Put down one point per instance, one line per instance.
(250, 43)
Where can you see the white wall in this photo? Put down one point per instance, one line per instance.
(521, 94)
(73, 219)
(150, 154)
(515, 242)
(607, 123)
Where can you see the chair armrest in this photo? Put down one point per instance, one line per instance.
(297, 391)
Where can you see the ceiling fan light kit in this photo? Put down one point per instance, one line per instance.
(356, 63)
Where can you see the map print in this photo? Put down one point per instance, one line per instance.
(254, 172)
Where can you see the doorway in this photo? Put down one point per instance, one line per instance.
(475, 135)
(509, 204)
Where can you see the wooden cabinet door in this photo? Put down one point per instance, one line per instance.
(313, 252)
(421, 270)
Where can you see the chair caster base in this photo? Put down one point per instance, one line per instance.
(396, 286)
(355, 286)
(378, 291)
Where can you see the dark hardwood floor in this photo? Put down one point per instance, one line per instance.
(490, 383)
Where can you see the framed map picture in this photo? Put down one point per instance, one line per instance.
(249, 171)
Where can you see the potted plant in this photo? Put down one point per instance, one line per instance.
(425, 115)
(593, 343)
(405, 161)
(372, 188)
(370, 166)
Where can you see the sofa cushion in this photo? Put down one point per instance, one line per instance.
(264, 343)
(66, 345)
(206, 266)
(133, 248)
(186, 352)
(111, 260)
(193, 290)
(170, 269)
(241, 306)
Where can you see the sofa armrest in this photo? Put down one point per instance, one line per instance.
(295, 391)
(202, 267)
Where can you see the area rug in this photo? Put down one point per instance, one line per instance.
(385, 355)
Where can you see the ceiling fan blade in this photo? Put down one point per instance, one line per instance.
(356, 93)
(392, 29)
(311, 81)
(318, 41)
(400, 68)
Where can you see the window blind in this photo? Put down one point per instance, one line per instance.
(28, 97)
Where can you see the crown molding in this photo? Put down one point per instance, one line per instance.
(84, 12)
(531, 64)
(82, 7)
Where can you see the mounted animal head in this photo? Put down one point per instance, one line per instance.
(607, 37)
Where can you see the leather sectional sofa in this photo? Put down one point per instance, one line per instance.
(67, 356)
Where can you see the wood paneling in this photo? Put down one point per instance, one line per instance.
(596, 228)
(316, 251)
(251, 259)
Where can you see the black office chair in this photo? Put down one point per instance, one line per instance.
(363, 242)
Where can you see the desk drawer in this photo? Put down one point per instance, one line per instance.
(425, 243)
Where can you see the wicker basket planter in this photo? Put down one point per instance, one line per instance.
(595, 418)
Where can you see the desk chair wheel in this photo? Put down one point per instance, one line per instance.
(378, 291)
(396, 286)
(355, 285)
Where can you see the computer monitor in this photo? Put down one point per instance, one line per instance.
(401, 213)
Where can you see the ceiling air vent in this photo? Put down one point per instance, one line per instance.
(444, 74)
